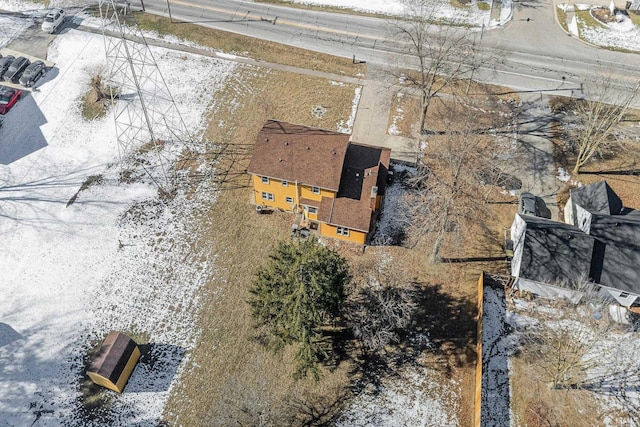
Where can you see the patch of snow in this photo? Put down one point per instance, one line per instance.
(390, 225)
(498, 343)
(411, 398)
(118, 257)
(617, 34)
(563, 175)
(565, 7)
(393, 129)
(443, 10)
(11, 28)
(573, 26)
(619, 314)
(226, 55)
(348, 126)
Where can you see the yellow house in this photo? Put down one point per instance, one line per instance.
(336, 186)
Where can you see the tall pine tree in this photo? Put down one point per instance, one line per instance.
(300, 290)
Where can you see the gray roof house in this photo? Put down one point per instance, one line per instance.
(600, 246)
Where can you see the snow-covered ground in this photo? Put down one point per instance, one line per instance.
(116, 258)
(620, 34)
(441, 9)
(413, 398)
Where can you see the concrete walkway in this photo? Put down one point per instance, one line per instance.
(372, 118)
(532, 159)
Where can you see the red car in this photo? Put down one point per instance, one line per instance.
(8, 97)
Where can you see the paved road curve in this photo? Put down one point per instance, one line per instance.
(532, 55)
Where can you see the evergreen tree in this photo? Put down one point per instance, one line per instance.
(300, 290)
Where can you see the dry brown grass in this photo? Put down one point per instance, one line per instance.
(622, 157)
(535, 404)
(618, 163)
(251, 47)
(404, 109)
(232, 376)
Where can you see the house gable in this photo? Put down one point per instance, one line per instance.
(552, 252)
(295, 153)
(329, 179)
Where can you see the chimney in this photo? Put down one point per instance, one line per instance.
(374, 194)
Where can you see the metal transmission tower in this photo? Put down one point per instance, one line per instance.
(146, 117)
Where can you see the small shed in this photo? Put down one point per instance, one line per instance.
(115, 361)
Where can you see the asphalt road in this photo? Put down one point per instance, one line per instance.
(534, 55)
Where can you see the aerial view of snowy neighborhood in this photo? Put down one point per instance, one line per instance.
(320, 213)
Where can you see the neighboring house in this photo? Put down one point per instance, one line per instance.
(335, 185)
(600, 245)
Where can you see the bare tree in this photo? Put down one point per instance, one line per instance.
(598, 117)
(457, 174)
(381, 306)
(444, 53)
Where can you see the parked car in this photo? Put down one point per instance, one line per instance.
(527, 204)
(5, 61)
(16, 68)
(32, 73)
(8, 97)
(53, 20)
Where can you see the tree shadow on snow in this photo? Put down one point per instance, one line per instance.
(441, 325)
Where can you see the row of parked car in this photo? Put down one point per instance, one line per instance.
(21, 70)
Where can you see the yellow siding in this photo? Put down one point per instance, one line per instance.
(280, 193)
(124, 376)
(378, 202)
(102, 381)
(311, 216)
(128, 369)
(354, 236)
(307, 193)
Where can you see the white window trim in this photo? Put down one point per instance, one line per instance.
(342, 231)
(285, 183)
(289, 199)
(264, 179)
(312, 210)
(267, 196)
(315, 190)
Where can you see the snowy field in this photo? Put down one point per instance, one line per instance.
(442, 9)
(117, 257)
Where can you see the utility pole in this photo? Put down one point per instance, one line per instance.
(169, 9)
(473, 65)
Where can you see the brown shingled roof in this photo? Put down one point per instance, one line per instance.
(298, 153)
(365, 167)
(114, 354)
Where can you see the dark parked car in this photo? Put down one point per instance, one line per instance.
(527, 204)
(5, 61)
(32, 73)
(8, 97)
(15, 70)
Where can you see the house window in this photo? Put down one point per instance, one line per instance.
(289, 200)
(312, 210)
(267, 196)
(265, 179)
(285, 183)
(342, 231)
(315, 190)
(624, 295)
